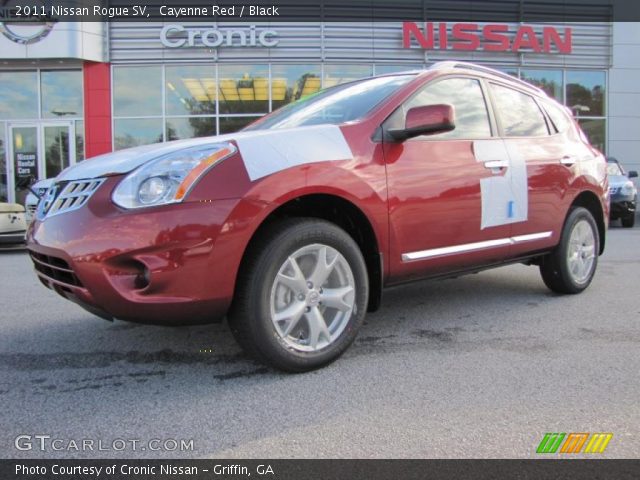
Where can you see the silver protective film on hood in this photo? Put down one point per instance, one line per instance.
(264, 152)
(124, 161)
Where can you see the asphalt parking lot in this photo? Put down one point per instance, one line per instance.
(480, 366)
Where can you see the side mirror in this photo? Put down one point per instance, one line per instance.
(632, 174)
(426, 120)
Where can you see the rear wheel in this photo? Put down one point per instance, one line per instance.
(302, 295)
(571, 266)
(629, 221)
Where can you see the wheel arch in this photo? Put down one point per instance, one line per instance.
(346, 215)
(590, 201)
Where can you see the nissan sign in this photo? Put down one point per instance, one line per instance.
(490, 37)
(176, 36)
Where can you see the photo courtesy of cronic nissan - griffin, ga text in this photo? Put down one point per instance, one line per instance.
(292, 227)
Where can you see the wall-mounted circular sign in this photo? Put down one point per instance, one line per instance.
(26, 32)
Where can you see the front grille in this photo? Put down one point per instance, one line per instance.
(55, 268)
(67, 196)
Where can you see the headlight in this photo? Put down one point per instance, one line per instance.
(628, 189)
(170, 178)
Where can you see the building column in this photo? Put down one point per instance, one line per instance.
(97, 108)
(624, 95)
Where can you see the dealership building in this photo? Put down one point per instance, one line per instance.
(70, 91)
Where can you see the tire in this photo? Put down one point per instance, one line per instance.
(629, 221)
(279, 316)
(571, 266)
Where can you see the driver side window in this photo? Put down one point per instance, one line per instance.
(465, 94)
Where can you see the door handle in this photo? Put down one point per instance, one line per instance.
(496, 164)
(568, 160)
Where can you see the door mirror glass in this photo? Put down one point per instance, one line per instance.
(426, 120)
(633, 174)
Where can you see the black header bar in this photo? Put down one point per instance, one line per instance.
(319, 469)
(558, 11)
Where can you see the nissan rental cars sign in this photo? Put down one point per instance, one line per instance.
(176, 36)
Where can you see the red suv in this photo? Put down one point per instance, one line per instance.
(293, 226)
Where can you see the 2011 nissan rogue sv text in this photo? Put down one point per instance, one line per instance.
(294, 225)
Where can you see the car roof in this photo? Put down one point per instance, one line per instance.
(487, 71)
(449, 66)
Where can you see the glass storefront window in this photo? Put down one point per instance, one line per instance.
(548, 80)
(243, 88)
(190, 90)
(585, 93)
(179, 128)
(337, 74)
(56, 149)
(131, 132)
(233, 124)
(24, 146)
(293, 82)
(79, 140)
(382, 69)
(137, 91)
(18, 95)
(595, 131)
(61, 93)
(508, 70)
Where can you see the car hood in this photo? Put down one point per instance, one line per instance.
(617, 180)
(11, 208)
(263, 151)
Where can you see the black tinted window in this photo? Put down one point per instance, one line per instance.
(465, 94)
(519, 114)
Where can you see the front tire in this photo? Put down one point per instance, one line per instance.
(302, 295)
(571, 266)
(629, 221)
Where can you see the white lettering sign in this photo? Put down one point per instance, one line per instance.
(176, 36)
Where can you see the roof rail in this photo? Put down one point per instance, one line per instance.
(480, 68)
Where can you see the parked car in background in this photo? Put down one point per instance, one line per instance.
(623, 193)
(37, 191)
(294, 225)
(13, 225)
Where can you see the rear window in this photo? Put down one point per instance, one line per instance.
(519, 113)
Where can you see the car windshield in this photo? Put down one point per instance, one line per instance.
(614, 169)
(335, 105)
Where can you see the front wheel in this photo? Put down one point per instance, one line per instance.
(302, 295)
(571, 266)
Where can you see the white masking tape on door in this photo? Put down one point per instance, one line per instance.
(504, 196)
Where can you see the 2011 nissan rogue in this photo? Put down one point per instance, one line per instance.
(293, 226)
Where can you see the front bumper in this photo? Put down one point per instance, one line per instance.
(155, 265)
(12, 238)
(622, 206)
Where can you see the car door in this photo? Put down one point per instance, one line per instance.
(438, 223)
(533, 143)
